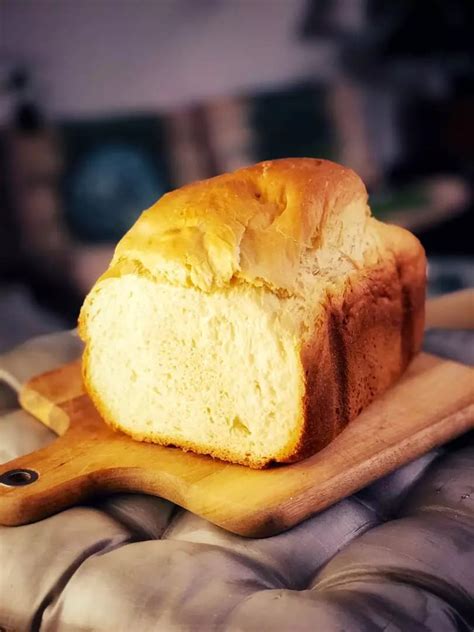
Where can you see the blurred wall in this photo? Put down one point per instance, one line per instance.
(172, 51)
(105, 104)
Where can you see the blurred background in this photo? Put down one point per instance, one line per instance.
(107, 104)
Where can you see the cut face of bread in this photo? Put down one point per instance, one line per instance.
(219, 373)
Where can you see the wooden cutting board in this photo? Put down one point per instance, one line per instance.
(432, 403)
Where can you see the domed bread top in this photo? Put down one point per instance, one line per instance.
(251, 225)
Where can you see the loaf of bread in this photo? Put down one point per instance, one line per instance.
(253, 315)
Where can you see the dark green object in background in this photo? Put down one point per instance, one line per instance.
(293, 122)
(114, 170)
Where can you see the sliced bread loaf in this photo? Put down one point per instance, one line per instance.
(253, 315)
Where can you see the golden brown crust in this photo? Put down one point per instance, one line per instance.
(372, 329)
(252, 224)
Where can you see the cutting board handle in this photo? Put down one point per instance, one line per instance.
(48, 480)
(451, 311)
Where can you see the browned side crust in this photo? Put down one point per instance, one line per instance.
(371, 331)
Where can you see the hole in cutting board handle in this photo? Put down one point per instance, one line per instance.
(18, 478)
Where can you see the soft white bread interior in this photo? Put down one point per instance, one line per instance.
(253, 315)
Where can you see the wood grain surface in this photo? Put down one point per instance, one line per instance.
(432, 403)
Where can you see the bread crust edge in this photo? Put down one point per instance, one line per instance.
(371, 331)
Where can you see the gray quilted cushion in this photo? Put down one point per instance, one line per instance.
(399, 555)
